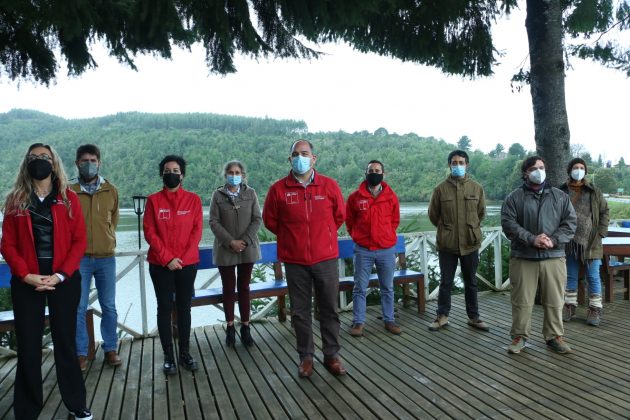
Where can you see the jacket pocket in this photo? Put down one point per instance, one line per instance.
(445, 236)
(474, 234)
(472, 203)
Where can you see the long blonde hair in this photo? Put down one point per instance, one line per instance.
(19, 197)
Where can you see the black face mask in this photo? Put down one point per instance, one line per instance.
(39, 169)
(373, 179)
(171, 180)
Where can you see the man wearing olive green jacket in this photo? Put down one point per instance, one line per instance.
(457, 207)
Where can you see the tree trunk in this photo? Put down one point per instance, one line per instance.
(551, 126)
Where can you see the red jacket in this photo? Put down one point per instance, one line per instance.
(305, 220)
(371, 221)
(172, 226)
(69, 239)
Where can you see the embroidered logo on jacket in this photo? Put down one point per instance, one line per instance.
(182, 212)
(291, 198)
(164, 214)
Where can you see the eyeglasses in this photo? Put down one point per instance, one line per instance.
(31, 157)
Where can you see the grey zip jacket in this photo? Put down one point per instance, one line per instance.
(526, 214)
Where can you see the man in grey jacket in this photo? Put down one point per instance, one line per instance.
(539, 220)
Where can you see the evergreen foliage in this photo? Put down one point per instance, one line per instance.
(453, 36)
(132, 145)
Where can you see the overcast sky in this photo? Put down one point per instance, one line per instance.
(350, 91)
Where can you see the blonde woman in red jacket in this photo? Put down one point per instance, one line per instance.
(43, 240)
(172, 226)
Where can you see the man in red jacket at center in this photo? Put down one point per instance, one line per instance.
(372, 217)
(304, 210)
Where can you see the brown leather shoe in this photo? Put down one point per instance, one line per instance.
(356, 330)
(334, 366)
(83, 363)
(112, 359)
(306, 368)
(392, 327)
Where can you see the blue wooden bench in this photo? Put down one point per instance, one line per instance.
(278, 286)
(402, 277)
(7, 320)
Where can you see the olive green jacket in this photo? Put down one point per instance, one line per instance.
(457, 207)
(600, 219)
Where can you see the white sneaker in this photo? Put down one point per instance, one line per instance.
(84, 414)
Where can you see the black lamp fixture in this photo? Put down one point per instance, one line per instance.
(139, 202)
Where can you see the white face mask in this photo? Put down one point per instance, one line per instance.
(578, 174)
(538, 176)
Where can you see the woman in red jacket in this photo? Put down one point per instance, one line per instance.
(172, 227)
(43, 240)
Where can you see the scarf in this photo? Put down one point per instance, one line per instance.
(581, 200)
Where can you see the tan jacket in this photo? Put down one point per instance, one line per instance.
(101, 218)
(457, 207)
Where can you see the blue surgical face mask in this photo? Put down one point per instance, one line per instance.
(458, 170)
(234, 180)
(301, 164)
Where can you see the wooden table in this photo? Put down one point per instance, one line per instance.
(618, 246)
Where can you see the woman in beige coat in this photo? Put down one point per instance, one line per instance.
(235, 218)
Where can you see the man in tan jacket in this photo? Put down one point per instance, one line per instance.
(457, 207)
(99, 202)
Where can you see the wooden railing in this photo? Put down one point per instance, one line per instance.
(421, 245)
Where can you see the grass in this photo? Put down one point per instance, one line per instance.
(619, 211)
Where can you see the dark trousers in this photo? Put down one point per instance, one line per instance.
(324, 278)
(179, 283)
(28, 309)
(448, 266)
(240, 280)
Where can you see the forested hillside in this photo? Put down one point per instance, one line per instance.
(132, 144)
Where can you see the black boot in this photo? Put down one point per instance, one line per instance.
(186, 360)
(246, 337)
(169, 367)
(230, 336)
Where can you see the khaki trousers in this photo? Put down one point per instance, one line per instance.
(524, 278)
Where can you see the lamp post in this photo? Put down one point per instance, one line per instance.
(138, 207)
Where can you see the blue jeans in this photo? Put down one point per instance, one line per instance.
(592, 274)
(385, 261)
(104, 272)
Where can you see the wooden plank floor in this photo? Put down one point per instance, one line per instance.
(455, 373)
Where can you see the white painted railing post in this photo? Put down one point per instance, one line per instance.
(424, 247)
(498, 261)
(143, 296)
(343, 306)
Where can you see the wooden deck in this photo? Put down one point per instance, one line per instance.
(456, 373)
